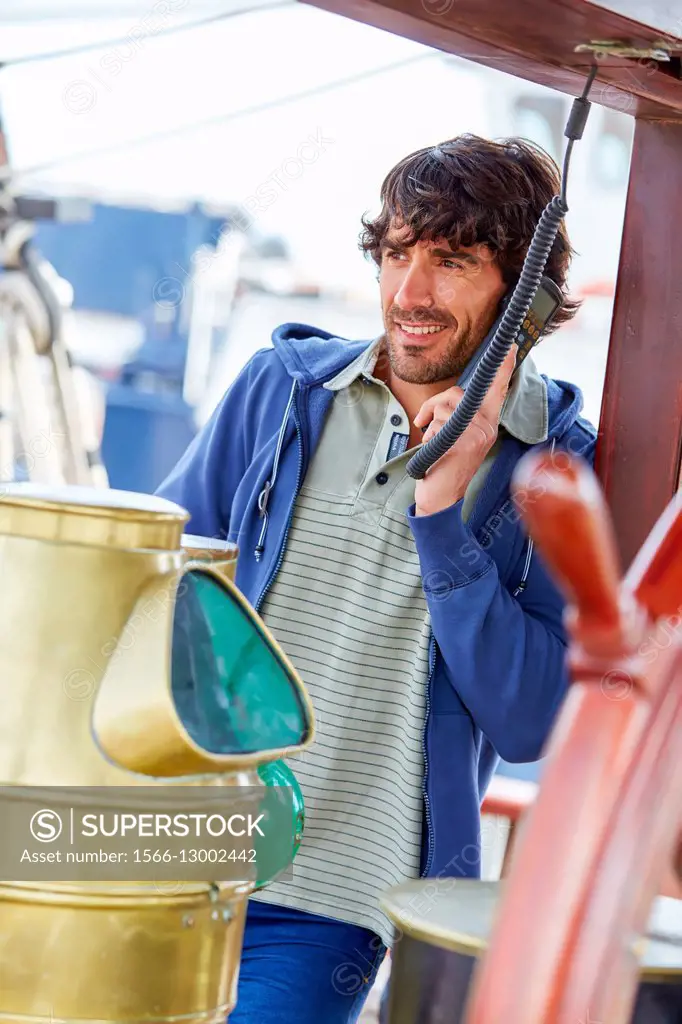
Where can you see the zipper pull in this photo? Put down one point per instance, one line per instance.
(264, 497)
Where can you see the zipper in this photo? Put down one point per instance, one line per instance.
(264, 496)
(427, 718)
(299, 479)
(529, 551)
(526, 568)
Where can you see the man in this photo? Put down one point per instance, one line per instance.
(423, 624)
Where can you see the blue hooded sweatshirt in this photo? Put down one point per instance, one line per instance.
(497, 650)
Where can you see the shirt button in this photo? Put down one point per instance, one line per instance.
(396, 420)
(381, 478)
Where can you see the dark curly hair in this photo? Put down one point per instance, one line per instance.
(470, 191)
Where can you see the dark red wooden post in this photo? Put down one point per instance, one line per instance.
(638, 458)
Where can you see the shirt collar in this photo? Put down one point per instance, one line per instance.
(362, 365)
(525, 413)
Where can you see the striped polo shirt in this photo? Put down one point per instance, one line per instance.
(347, 606)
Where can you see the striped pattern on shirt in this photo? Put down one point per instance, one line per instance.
(348, 608)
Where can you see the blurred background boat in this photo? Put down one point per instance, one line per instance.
(226, 176)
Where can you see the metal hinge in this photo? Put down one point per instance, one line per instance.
(659, 50)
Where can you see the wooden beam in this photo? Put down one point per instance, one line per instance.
(640, 446)
(537, 40)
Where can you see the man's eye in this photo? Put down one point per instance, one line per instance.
(393, 255)
(453, 264)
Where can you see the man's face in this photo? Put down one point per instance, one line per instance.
(437, 305)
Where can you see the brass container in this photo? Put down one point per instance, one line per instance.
(90, 580)
(219, 553)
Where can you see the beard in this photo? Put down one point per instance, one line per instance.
(448, 361)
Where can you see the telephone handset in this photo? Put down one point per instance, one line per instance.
(524, 315)
(544, 307)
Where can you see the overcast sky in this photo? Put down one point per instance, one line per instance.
(307, 168)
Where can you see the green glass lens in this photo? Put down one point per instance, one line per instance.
(232, 692)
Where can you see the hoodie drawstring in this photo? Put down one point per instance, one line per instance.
(529, 552)
(264, 496)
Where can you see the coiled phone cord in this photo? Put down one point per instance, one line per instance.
(524, 293)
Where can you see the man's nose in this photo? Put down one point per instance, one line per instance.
(416, 288)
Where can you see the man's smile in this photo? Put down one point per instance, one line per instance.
(421, 328)
(418, 335)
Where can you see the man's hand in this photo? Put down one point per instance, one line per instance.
(446, 482)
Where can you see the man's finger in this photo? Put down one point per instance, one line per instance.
(479, 425)
(430, 431)
(441, 416)
(425, 413)
(451, 396)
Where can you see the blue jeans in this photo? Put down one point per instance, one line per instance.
(300, 968)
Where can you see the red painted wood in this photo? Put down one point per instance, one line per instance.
(638, 455)
(601, 836)
(600, 968)
(655, 576)
(552, 869)
(564, 510)
(536, 40)
(509, 798)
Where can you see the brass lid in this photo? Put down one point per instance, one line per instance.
(458, 914)
(92, 516)
(208, 549)
(221, 554)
